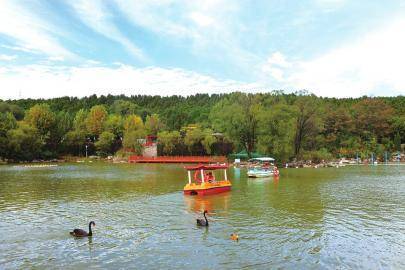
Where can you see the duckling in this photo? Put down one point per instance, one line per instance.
(234, 237)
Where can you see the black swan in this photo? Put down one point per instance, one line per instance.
(83, 233)
(202, 222)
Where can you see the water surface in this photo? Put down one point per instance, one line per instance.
(351, 217)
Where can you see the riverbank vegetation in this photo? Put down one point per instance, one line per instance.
(286, 126)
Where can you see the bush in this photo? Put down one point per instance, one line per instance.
(317, 156)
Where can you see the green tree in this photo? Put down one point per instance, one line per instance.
(237, 117)
(115, 125)
(398, 126)
(208, 141)
(276, 131)
(134, 133)
(133, 140)
(15, 110)
(124, 107)
(63, 124)
(169, 140)
(79, 122)
(7, 122)
(95, 120)
(75, 141)
(307, 121)
(24, 142)
(132, 123)
(153, 124)
(41, 117)
(193, 140)
(105, 143)
(397, 142)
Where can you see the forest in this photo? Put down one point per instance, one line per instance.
(296, 126)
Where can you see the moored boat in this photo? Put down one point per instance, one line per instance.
(256, 172)
(262, 167)
(204, 180)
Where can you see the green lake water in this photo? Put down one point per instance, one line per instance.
(345, 218)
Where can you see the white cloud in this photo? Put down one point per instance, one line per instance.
(330, 5)
(207, 27)
(94, 14)
(5, 57)
(201, 19)
(38, 81)
(18, 48)
(29, 31)
(154, 16)
(278, 59)
(371, 65)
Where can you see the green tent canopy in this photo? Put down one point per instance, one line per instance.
(243, 155)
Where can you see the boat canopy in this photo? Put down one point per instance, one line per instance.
(263, 159)
(206, 167)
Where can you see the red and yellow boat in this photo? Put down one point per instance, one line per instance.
(205, 182)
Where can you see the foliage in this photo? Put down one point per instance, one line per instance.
(79, 122)
(276, 131)
(133, 123)
(7, 122)
(307, 121)
(285, 126)
(153, 124)
(105, 143)
(237, 117)
(95, 120)
(169, 140)
(15, 110)
(24, 142)
(75, 141)
(41, 117)
(133, 140)
(115, 125)
(193, 140)
(317, 156)
(372, 117)
(124, 107)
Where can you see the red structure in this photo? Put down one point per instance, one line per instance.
(150, 140)
(177, 159)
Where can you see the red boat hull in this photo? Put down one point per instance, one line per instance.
(208, 191)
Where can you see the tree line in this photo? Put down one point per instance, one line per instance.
(286, 126)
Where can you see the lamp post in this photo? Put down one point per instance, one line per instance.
(86, 149)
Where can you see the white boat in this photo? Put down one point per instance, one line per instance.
(256, 172)
(262, 167)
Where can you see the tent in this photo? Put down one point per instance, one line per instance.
(243, 155)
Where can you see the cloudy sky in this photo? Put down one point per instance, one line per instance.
(336, 48)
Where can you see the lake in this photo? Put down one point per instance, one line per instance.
(328, 218)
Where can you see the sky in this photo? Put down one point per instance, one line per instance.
(332, 48)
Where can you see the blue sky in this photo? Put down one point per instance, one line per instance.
(334, 48)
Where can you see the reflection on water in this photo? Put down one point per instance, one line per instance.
(351, 217)
(210, 203)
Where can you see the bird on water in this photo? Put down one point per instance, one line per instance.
(234, 237)
(83, 233)
(203, 222)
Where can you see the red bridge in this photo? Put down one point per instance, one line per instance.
(177, 159)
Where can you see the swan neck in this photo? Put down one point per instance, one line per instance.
(206, 220)
(90, 232)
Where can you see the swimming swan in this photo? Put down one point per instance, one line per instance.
(83, 233)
